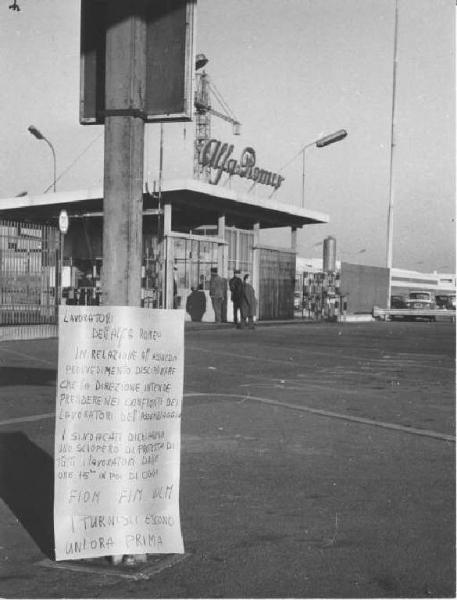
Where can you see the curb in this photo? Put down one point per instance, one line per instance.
(12, 333)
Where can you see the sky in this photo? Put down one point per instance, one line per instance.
(291, 71)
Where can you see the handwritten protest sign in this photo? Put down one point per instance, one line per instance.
(118, 431)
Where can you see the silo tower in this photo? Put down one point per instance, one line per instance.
(329, 258)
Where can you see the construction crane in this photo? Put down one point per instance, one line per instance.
(204, 94)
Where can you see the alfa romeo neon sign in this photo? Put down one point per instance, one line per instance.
(217, 155)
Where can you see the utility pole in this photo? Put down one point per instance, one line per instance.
(390, 215)
(124, 148)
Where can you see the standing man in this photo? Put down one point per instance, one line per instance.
(248, 304)
(216, 292)
(175, 288)
(236, 289)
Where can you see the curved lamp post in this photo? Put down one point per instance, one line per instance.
(39, 136)
(320, 143)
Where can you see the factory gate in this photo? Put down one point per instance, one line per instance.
(276, 284)
(29, 255)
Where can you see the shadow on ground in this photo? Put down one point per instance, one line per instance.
(27, 376)
(27, 487)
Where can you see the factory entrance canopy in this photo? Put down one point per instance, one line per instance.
(193, 202)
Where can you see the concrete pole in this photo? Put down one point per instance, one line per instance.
(124, 150)
(168, 277)
(125, 86)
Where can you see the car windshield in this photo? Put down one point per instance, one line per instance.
(419, 296)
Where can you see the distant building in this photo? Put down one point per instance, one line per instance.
(362, 286)
(404, 281)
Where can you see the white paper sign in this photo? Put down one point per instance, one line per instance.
(118, 431)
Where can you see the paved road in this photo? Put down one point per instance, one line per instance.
(317, 461)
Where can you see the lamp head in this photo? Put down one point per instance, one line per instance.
(36, 132)
(200, 61)
(332, 138)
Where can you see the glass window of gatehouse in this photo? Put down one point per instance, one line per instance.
(240, 249)
(193, 260)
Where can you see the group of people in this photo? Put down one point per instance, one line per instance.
(243, 299)
(242, 295)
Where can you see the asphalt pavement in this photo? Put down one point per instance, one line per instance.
(318, 461)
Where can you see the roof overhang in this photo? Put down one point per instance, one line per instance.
(193, 203)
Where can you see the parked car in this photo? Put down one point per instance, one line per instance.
(446, 301)
(397, 302)
(421, 300)
(441, 301)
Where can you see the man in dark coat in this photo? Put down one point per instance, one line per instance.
(236, 293)
(216, 292)
(196, 303)
(248, 304)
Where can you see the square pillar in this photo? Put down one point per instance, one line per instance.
(293, 238)
(222, 257)
(293, 245)
(169, 262)
(256, 264)
(167, 219)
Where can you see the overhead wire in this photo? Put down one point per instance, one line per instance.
(290, 161)
(74, 162)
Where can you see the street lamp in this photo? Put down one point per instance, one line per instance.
(320, 143)
(39, 136)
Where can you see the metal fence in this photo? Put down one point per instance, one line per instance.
(276, 284)
(29, 271)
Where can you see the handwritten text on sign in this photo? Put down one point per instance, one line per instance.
(118, 431)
